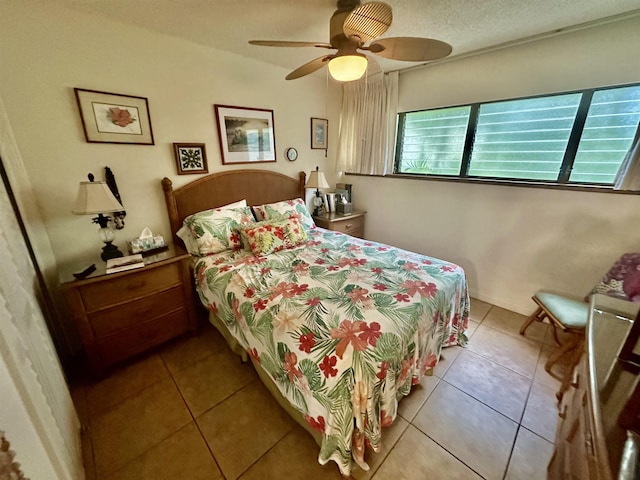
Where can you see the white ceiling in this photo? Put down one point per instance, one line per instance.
(468, 25)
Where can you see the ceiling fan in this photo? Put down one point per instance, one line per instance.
(351, 27)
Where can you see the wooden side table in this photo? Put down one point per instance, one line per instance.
(126, 313)
(351, 224)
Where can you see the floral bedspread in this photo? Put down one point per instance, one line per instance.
(343, 326)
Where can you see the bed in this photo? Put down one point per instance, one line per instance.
(338, 328)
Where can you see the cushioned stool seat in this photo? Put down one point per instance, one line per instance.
(568, 314)
(571, 312)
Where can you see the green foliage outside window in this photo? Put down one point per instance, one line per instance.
(571, 138)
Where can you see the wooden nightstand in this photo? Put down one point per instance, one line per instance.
(351, 224)
(122, 314)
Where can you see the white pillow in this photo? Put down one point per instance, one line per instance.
(239, 203)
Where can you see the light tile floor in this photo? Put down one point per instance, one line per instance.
(192, 410)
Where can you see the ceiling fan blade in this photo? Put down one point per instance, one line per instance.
(280, 43)
(310, 67)
(410, 49)
(368, 21)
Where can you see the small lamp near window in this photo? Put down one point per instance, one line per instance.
(317, 181)
(96, 198)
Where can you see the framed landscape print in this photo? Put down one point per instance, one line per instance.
(319, 131)
(190, 158)
(246, 134)
(114, 118)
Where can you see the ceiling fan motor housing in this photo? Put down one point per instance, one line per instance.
(347, 4)
(337, 38)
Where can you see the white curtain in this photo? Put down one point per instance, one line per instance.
(628, 177)
(367, 125)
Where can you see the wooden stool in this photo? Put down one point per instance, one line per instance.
(569, 315)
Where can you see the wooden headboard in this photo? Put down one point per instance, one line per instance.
(256, 186)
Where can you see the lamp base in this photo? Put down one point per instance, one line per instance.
(318, 204)
(110, 251)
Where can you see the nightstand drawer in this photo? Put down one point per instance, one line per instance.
(135, 340)
(119, 318)
(349, 225)
(136, 284)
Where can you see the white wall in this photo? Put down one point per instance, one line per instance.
(513, 240)
(46, 51)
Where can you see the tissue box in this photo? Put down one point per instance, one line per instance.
(343, 208)
(141, 245)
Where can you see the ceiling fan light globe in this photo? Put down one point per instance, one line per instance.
(346, 68)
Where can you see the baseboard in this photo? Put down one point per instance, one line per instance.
(522, 309)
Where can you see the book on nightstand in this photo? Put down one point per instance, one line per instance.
(121, 264)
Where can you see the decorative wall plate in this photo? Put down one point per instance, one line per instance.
(291, 154)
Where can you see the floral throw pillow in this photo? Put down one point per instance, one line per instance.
(296, 234)
(267, 237)
(214, 230)
(286, 209)
(185, 234)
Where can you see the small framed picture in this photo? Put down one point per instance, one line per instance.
(246, 134)
(114, 118)
(319, 131)
(190, 158)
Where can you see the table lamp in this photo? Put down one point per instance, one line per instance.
(317, 181)
(95, 197)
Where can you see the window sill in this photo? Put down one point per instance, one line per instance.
(505, 183)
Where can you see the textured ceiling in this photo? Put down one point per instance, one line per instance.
(468, 25)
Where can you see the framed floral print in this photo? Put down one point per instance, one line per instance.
(190, 158)
(114, 118)
(246, 135)
(319, 131)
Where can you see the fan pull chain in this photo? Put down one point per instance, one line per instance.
(326, 108)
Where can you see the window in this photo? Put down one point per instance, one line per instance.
(569, 138)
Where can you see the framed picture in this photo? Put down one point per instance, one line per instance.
(246, 134)
(630, 351)
(114, 118)
(319, 131)
(190, 158)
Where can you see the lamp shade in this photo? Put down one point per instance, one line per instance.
(317, 180)
(95, 197)
(347, 68)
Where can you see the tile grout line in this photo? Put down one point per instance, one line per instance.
(110, 408)
(239, 477)
(479, 401)
(373, 472)
(448, 451)
(193, 418)
(519, 423)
